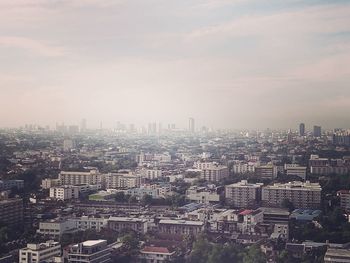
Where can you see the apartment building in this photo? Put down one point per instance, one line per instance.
(91, 251)
(43, 252)
(122, 180)
(65, 192)
(86, 222)
(49, 182)
(11, 211)
(344, 199)
(243, 168)
(151, 174)
(180, 227)
(211, 171)
(294, 169)
(76, 178)
(118, 224)
(56, 228)
(9, 184)
(243, 194)
(266, 171)
(302, 195)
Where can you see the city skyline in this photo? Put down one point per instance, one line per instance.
(228, 64)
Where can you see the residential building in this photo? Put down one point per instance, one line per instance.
(122, 180)
(344, 199)
(153, 254)
(64, 192)
(180, 227)
(294, 169)
(212, 172)
(91, 251)
(38, 253)
(302, 195)
(118, 224)
(86, 222)
(266, 171)
(243, 194)
(337, 255)
(76, 178)
(48, 183)
(151, 174)
(11, 211)
(56, 228)
(10, 184)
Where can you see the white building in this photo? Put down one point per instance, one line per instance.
(43, 252)
(65, 192)
(122, 180)
(91, 251)
(152, 254)
(202, 195)
(151, 173)
(86, 222)
(211, 171)
(56, 228)
(243, 168)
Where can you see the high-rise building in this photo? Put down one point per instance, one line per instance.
(191, 126)
(11, 211)
(243, 194)
(302, 195)
(83, 125)
(317, 131)
(302, 129)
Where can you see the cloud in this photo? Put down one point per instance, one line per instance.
(32, 45)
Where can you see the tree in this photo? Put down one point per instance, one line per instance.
(120, 197)
(286, 203)
(254, 255)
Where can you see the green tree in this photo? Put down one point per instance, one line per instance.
(254, 255)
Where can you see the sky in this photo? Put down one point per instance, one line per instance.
(226, 63)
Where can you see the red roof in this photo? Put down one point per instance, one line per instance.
(155, 249)
(245, 212)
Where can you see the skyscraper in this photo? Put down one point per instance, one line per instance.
(302, 129)
(317, 131)
(191, 127)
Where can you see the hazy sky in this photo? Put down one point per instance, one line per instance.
(237, 64)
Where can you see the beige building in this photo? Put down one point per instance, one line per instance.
(76, 178)
(152, 254)
(243, 194)
(122, 180)
(43, 252)
(302, 195)
(180, 227)
(122, 223)
(48, 183)
(214, 172)
(337, 255)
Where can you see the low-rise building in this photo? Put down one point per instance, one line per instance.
(9, 184)
(86, 222)
(91, 251)
(337, 255)
(180, 227)
(294, 169)
(266, 171)
(56, 228)
(152, 254)
(43, 252)
(202, 195)
(344, 199)
(65, 192)
(118, 224)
